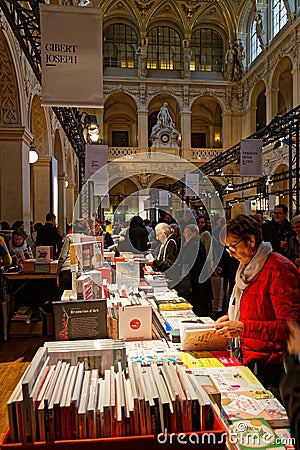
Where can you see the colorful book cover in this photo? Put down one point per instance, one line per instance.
(254, 433)
(258, 403)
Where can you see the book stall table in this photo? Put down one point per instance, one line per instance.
(27, 288)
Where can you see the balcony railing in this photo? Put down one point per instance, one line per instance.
(190, 154)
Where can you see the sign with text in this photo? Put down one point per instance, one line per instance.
(95, 158)
(163, 199)
(192, 184)
(251, 157)
(71, 51)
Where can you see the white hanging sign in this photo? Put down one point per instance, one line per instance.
(192, 184)
(163, 199)
(272, 202)
(247, 207)
(95, 159)
(251, 158)
(71, 51)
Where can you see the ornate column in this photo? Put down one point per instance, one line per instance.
(70, 200)
(185, 119)
(62, 202)
(15, 174)
(41, 188)
(143, 130)
(227, 129)
(296, 84)
(271, 103)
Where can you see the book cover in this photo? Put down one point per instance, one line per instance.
(252, 433)
(80, 319)
(201, 337)
(257, 403)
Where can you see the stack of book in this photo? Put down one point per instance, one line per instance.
(23, 314)
(41, 266)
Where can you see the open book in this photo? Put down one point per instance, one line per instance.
(201, 336)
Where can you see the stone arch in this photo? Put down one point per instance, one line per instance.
(39, 127)
(206, 122)
(120, 120)
(258, 118)
(10, 101)
(281, 186)
(120, 191)
(282, 85)
(161, 14)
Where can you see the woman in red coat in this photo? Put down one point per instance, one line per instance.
(266, 294)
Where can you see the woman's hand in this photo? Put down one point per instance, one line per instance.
(223, 319)
(229, 328)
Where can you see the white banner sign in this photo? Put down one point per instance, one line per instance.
(95, 158)
(71, 50)
(272, 202)
(192, 184)
(163, 199)
(251, 157)
(247, 207)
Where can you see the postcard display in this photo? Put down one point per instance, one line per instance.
(82, 313)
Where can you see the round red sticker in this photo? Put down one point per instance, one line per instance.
(135, 324)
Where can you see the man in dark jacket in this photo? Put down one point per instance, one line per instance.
(49, 235)
(278, 229)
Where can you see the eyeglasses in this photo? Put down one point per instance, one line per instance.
(277, 213)
(232, 248)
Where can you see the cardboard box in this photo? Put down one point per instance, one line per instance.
(25, 329)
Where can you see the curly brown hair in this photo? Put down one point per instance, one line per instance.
(243, 226)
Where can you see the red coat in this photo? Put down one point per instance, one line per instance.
(271, 298)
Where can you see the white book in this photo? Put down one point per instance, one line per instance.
(65, 403)
(82, 408)
(100, 408)
(27, 386)
(197, 336)
(41, 378)
(75, 401)
(92, 403)
(52, 398)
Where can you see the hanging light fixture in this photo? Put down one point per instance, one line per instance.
(33, 155)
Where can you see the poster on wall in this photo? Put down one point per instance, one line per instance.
(71, 51)
(251, 157)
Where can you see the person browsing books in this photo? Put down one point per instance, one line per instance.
(168, 249)
(266, 295)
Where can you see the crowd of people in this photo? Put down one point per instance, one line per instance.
(259, 266)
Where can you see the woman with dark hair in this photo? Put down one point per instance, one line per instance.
(136, 239)
(266, 294)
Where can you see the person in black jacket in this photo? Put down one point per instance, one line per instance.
(168, 251)
(290, 383)
(136, 239)
(278, 229)
(49, 235)
(193, 257)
